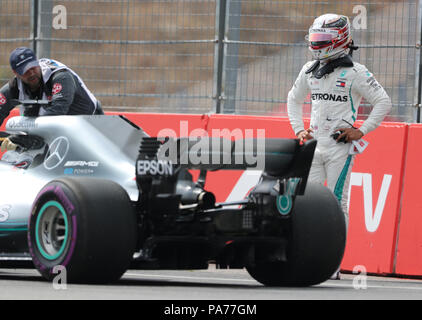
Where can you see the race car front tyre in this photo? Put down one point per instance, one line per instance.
(315, 246)
(84, 227)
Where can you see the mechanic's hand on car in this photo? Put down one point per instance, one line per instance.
(7, 145)
(349, 134)
(305, 135)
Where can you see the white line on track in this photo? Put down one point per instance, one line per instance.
(370, 286)
(188, 278)
(328, 284)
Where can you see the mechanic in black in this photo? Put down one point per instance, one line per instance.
(45, 79)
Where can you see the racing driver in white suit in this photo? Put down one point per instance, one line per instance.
(337, 85)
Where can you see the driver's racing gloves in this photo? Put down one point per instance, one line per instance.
(7, 145)
(21, 143)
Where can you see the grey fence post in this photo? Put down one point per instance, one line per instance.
(41, 24)
(220, 20)
(34, 24)
(418, 74)
(232, 55)
(45, 20)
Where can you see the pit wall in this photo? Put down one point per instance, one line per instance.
(385, 224)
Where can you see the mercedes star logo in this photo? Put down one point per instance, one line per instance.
(56, 153)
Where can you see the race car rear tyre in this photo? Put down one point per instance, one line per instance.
(316, 244)
(85, 227)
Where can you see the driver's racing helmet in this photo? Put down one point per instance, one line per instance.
(329, 36)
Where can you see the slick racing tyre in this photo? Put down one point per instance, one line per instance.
(316, 244)
(85, 226)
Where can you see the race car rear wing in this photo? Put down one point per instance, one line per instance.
(278, 158)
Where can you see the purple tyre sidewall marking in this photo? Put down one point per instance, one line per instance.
(56, 192)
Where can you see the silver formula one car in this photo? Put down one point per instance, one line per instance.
(97, 195)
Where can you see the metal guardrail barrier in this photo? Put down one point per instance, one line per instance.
(200, 56)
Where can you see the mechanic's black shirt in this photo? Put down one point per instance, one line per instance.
(66, 95)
